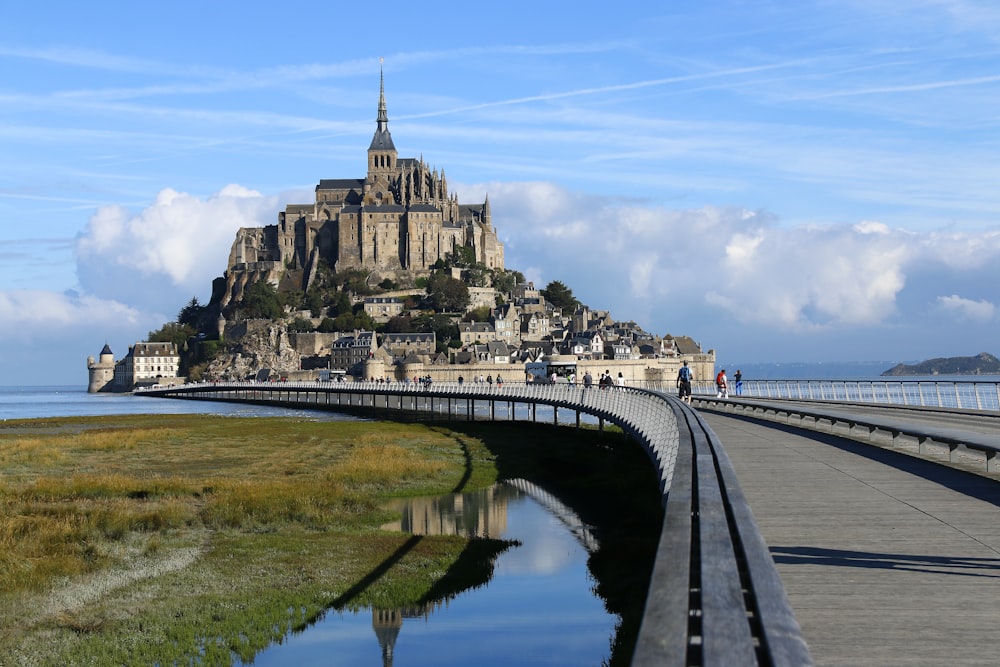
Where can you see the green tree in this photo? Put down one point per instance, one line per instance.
(399, 324)
(444, 329)
(261, 300)
(300, 325)
(328, 325)
(505, 281)
(354, 280)
(480, 314)
(446, 294)
(477, 275)
(560, 296)
(341, 305)
(191, 314)
(172, 332)
(314, 301)
(462, 256)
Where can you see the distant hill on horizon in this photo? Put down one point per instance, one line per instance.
(983, 363)
(806, 370)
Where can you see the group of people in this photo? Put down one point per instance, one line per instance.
(488, 379)
(685, 376)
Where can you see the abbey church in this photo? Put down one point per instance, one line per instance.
(396, 222)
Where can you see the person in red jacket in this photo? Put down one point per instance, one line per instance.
(721, 390)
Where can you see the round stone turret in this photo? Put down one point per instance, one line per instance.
(101, 374)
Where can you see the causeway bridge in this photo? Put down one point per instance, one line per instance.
(874, 536)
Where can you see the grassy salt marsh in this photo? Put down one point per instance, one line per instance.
(187, 539)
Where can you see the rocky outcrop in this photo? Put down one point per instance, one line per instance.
(981, 364)
(264, 344)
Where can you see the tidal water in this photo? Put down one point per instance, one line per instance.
(74, 401)
(539, 607)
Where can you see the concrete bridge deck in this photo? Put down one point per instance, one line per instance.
(886, 559)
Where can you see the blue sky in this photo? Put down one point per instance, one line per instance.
(810, 181)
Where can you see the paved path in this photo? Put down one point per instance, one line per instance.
(887, 560)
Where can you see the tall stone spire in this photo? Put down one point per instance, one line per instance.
(382, 141)
(383, 115)
(382, 152)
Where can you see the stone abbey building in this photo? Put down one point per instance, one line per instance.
(396, 222)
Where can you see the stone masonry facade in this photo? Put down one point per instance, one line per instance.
(398, 220)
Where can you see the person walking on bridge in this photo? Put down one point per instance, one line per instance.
(684, 377)
(721, 386)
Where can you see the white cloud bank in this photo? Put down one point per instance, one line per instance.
(136, 270)
(158, 258)
(981, 311)
(27, 314)
(728, 274)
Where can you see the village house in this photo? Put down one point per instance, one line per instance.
(401, 345)
(507, 324)
(383, 308)
(146, 364)
(471, 333)
(535, 326)
(586, 345)
(348, 351)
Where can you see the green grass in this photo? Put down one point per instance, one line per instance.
(145, 539)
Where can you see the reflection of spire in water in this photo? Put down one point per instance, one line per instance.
(554, 506)
(387, 623)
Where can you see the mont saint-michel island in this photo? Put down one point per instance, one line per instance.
(389, 277)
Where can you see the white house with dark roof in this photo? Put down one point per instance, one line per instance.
(586, 344)
(147, 364)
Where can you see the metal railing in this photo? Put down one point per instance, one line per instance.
(959, 394)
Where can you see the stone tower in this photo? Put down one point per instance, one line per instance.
(382, 156)
(102, 372)
(396, 221)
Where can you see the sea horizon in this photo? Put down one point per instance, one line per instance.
(73, 400)
(45, 401)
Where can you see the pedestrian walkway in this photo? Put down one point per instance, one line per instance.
(886, 559)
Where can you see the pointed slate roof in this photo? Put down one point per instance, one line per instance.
(382, 141)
